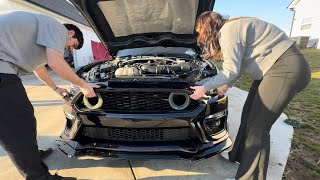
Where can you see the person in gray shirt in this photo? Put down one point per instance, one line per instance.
(28, 41)
(266, 54)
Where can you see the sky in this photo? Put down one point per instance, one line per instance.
(274, 11)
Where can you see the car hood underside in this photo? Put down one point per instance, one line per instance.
(145, 23)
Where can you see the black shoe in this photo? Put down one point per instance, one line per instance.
(45, 153)
(57, 177)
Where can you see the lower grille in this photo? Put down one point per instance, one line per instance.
(126, 134)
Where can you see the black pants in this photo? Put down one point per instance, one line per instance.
(266, 101)
(18, 129)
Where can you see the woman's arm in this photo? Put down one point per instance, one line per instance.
(233, 55)
(232, 59)
(232, 42)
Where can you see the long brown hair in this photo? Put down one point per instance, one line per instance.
(208, 25)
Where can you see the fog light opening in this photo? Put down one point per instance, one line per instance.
(69, 124)
(69, 121)
(213, 123)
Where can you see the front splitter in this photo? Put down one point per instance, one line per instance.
(74, 149)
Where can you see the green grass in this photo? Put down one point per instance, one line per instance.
(312, 170)
(304, 115)
(313, 146)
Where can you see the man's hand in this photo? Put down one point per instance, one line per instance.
(88, 91)
(59, 66)
(199, 91)
(222, 90)
(61, 91)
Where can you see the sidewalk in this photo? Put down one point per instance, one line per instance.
(50, 120)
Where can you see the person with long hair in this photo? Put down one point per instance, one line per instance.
(260, 50)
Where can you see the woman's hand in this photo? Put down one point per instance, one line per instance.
(222, 90)
(199, 91)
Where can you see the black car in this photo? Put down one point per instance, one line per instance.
(142, 109)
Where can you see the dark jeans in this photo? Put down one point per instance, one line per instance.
(18, 129)
(266, 101)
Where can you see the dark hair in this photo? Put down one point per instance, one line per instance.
(78, 34)
(208, 25)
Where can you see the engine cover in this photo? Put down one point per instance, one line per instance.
(127, 71)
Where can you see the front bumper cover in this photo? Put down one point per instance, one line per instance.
(190, 153)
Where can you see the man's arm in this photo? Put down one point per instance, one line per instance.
(59, 66)
(42, 74)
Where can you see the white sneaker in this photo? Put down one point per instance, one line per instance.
(225, 154)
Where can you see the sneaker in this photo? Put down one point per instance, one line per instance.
(45, 153)
(225, 154)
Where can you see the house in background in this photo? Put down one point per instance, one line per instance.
(305, 27)
(64, 12)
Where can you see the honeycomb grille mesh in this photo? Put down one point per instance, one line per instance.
(129, 134)
(140, 101)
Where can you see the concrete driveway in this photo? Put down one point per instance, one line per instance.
(50, 123)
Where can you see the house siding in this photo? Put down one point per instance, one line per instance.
(307, 12)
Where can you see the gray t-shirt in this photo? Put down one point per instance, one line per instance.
(24, 37)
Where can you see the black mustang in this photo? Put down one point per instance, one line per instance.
(143, 109)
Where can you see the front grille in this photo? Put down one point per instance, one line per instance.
(135, 134)
(135, 101)
(140, 101)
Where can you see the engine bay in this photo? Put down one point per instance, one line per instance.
(148, 67)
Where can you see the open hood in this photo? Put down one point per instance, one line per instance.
(123, 24)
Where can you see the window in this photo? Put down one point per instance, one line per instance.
(305, 27)
(306, 23)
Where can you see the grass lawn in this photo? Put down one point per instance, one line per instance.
(304, 115)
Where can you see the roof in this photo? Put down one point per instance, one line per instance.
(61, 7)
(293, 4)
